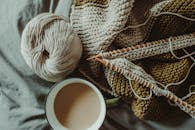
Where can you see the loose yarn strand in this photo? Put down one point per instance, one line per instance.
(190, 93)
(172, 52)
(192, 58)
(175, 14)
(139, 97)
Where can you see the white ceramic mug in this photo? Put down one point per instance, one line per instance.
(49, 107)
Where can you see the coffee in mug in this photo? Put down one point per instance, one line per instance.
(75, 104)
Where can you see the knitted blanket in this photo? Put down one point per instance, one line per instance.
(149, 65)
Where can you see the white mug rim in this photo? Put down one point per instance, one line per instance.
(50, 114)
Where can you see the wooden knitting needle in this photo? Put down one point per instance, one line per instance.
(94, 57)
(104, 62)
(144, 50)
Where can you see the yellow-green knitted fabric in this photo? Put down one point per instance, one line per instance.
(191, 100)
(168, 72)
(165, 73)
(169, 25)
(162, 72)
(172, 70)
(120, 84)
(146, 109)
(163, 68)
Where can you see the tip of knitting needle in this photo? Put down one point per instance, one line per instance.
(101, 60)
(94, 57)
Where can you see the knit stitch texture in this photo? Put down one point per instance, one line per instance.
(99, 25)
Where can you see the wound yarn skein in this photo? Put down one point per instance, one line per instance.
(50, 47)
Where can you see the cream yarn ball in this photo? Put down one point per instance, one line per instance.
(50, 47)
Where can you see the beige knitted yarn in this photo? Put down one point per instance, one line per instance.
(50, 47)
(96, 21)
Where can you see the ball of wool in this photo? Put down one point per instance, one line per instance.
(50, 46)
